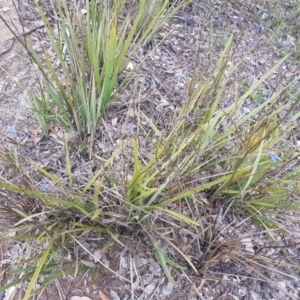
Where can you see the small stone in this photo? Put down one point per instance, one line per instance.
(114, 295)
(167, 289)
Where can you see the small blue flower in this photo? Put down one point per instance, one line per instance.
(260, 28)
(11, 129)
(44, 187)
(6, 170)
(274, 158)
(131, 127)
(190, 21)
(225, 105)
(179, 75)
(27, 152)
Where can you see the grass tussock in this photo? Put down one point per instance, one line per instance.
(94, 49)
(214, 156)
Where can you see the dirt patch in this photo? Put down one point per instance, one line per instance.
(15, 70)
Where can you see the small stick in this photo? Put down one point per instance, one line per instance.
(17, 37)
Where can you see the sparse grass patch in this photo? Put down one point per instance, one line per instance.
(282, 19)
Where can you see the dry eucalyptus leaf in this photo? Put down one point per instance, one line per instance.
(114, 121)
(149, 288)
(15, 251)
(155, 269)
(97, 256)
(162, 104)
(225, 258)
(103, 296)
(142, 261)
(35, 133)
